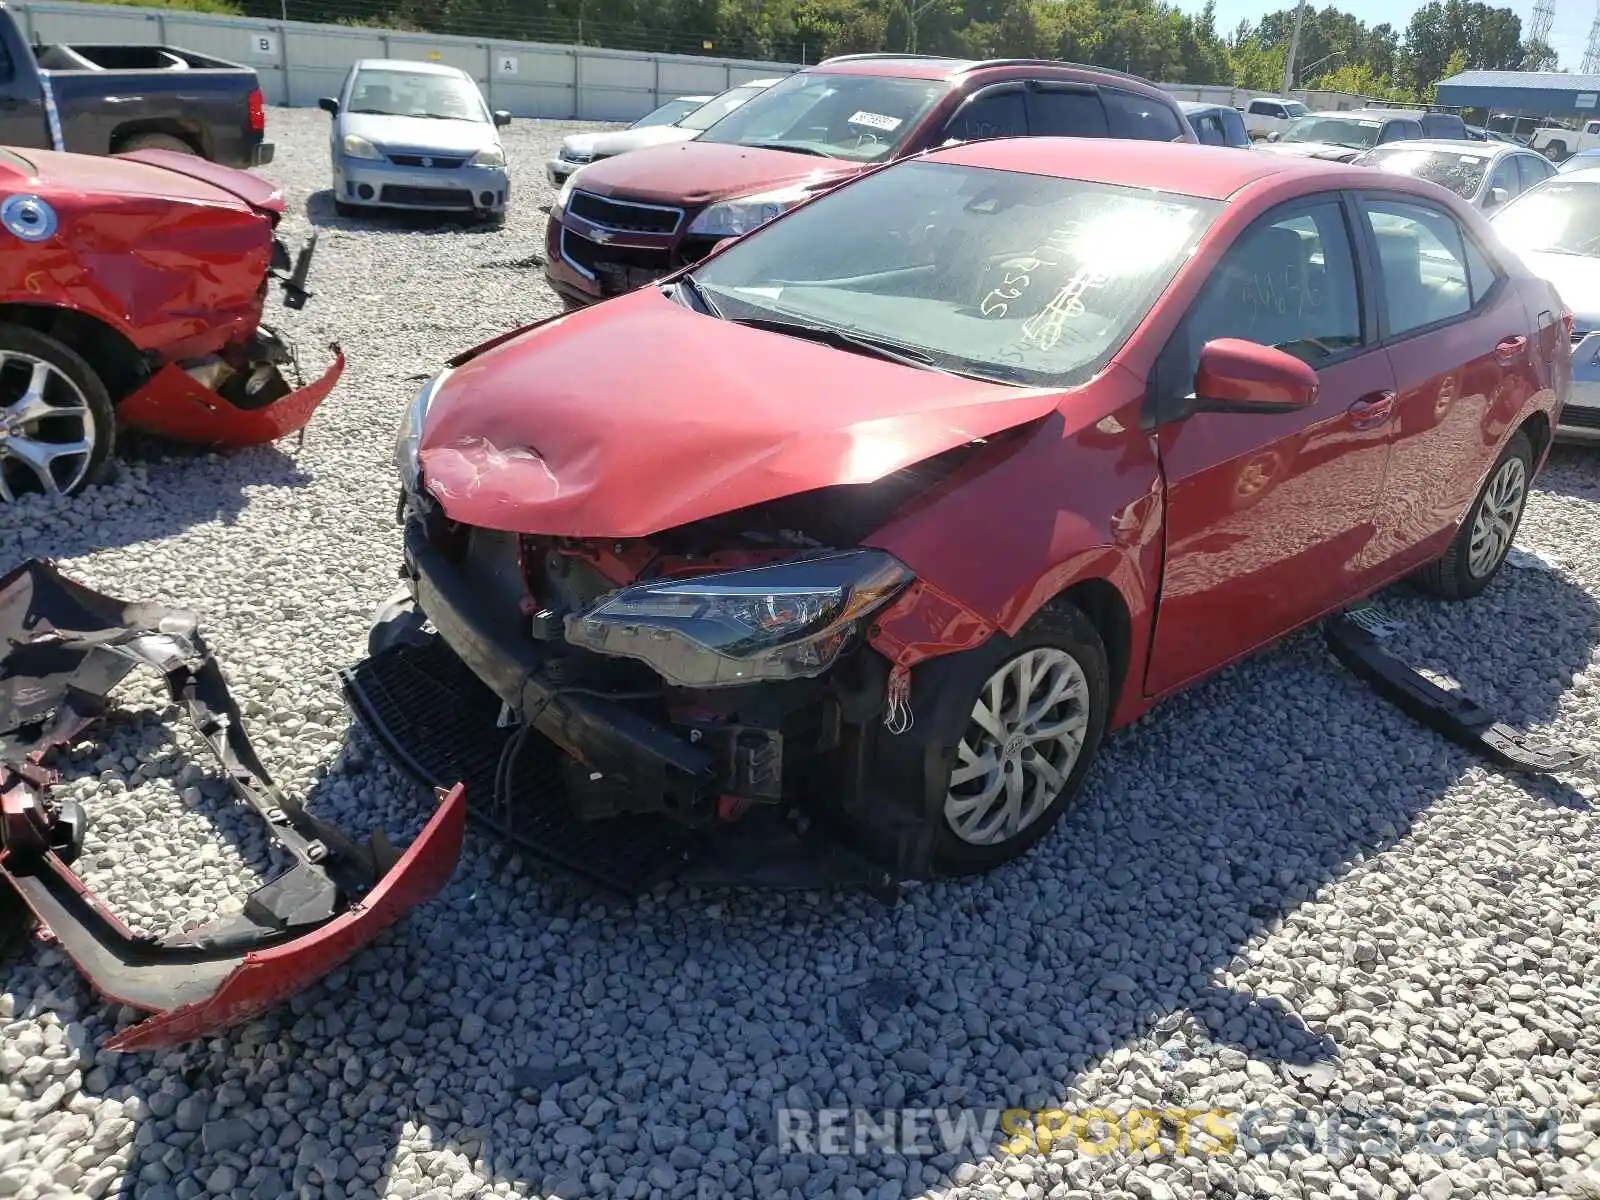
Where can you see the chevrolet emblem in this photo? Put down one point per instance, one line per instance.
(427, 162)
(601, 236)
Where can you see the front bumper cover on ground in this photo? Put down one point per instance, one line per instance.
(65, 647)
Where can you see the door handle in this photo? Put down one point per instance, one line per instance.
(1372, 409)
(1507, 350)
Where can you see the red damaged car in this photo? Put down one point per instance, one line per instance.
(131, 291)
(894, 508)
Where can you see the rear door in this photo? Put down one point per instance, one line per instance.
(1270, 516)
(1458, 339)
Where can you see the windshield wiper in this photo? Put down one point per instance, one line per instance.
(791, 149)
(691, 285)
(843, 339)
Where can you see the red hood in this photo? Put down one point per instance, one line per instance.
(149, 173)
(696, 173)
(556, 432)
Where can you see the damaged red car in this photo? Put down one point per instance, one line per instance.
(131, 294)
(898, 505)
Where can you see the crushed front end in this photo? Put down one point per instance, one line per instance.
(66, 648)
(241, 394)
(701, 704)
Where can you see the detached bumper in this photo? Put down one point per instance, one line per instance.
(175, 403)
(67, 647)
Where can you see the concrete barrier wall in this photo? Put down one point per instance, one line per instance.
(297, 62)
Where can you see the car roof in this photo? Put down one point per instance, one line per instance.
(410, 65)
(1457, 146)
(1206, 172)
(916, 66)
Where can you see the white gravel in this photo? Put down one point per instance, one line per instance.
(1277, 892)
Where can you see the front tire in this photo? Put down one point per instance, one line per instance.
(1481, 544)
(1016, 723)
(57, 426)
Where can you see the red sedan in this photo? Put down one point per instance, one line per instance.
(131, 292)
(887, 513)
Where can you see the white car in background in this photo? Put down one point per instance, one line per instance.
(1485, 174)
(1555, 228)
(680, 120)
(1270, 114)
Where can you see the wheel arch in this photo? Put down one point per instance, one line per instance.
(194, 135)
(1108, 611)
(1537, 427)
(115, 359)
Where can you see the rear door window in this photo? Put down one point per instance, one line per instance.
(1000, 113)
(1057, 110)
(1208, 129)
(1130, 115)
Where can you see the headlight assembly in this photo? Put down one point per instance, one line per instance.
(786, 621)
(359, 147)
(409, 440)
(565, 194)
(489, 156)
(731, 218)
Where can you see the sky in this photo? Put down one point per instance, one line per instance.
(1568, 36)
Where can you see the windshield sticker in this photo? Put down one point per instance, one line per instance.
(1018, 276)
(874, 120)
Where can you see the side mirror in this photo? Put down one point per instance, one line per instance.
(1274, 136)
(1239, 376)
(502, 118)
(1497, 196)
(329, 105)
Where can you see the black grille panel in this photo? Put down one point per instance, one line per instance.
(618, 269)
(437, 720)
(1574, 417)
(623, 216)
(446, 162)
(425, 197)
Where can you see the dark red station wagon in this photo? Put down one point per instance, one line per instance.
(628, 220)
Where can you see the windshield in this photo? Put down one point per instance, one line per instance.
(1294, 108)
(1336, 131)
(416, 94)
(712, 111)
(1560, 217)
(669, 113)
(1018, 278)
(1461, 173)
(860, 117)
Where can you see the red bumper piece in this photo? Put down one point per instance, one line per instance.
(173, 404)
(266, 978)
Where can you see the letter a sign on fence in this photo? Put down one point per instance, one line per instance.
(506, 64)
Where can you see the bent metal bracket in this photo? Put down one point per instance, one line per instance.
(64, 648)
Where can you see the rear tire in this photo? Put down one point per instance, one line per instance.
(1480, 546)
(157, 141)
(69, 407)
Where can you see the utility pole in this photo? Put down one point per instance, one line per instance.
(1294, 49)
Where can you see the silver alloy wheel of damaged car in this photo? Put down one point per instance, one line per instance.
(1025, 736)
(48, 428)
(1495, 522)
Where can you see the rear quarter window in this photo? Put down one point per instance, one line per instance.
(1130, 115)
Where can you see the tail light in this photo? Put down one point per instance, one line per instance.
(258, 112)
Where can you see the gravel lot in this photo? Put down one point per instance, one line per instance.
(1277, 892)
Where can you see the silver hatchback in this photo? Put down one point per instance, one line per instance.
(416, 136)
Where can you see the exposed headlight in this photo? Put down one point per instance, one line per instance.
(730, 218)
(576, 152)
(359, 147)
(787, 621)
(489, 156)
(565, 194)
(409, 440)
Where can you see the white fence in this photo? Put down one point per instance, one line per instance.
(298, 62)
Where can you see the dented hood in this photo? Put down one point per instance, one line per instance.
(699, 172)
(639, 415)
(160, 174)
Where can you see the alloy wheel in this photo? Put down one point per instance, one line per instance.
(47, 429)
(1495, 522)
(1023, 739)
